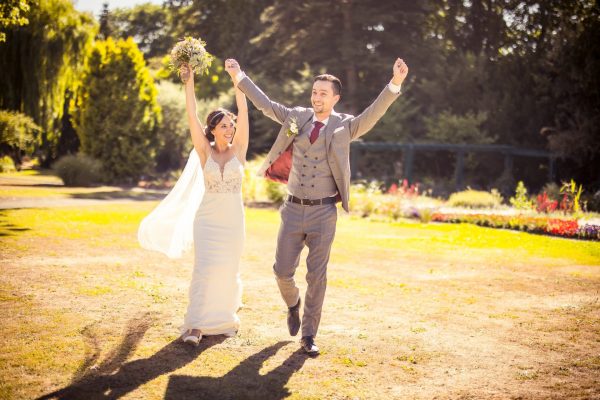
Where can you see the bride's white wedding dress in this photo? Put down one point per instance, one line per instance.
(204, 208)
(215, 292)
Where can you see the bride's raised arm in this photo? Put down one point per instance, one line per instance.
(199, 139)
(241, 138)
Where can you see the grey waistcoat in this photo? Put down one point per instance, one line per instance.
(311, 177)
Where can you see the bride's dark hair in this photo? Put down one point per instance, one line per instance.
(213, 119)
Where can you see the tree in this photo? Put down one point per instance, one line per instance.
(106, 23)
(173, 136)
(227, 26)
(116, 110)
(149, 25)
(41, 61)
(575, 74)
(354, 40)
(12, 14)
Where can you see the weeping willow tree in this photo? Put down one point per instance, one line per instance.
(42, 60)
(12, 13)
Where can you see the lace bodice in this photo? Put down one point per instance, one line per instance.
(227, 181)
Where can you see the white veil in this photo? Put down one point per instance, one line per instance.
(169, 228)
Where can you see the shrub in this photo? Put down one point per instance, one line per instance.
(276, 191)
(521, 201)
(78, 170)
(545, 204)
(116, 110)
(254, 187)
(7, 164)
(363, 197)
(18, 134)
(570, 202)
(475, 199)
(552, 189)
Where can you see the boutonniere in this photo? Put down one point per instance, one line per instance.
(293, 127)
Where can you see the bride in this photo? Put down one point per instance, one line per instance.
(209, 194)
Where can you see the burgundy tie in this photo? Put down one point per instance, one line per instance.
(314, 134)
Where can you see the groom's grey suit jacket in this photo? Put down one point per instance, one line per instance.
(339, 132)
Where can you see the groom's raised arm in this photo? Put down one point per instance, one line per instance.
(368, 118)
(277, 112)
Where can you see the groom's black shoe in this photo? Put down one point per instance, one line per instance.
(309, 346)
(293, 319)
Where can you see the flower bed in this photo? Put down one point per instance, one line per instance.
(563, 227)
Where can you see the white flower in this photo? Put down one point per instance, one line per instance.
(293, 127)
(191, 51)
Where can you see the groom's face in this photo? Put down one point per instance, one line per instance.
(323, 99)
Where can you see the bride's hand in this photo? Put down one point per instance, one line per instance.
(185, 72)
(232, 67)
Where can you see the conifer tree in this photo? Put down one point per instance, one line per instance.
(116, 110)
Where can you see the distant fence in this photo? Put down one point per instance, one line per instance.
(458, 150)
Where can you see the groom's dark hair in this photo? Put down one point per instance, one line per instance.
(337, 84)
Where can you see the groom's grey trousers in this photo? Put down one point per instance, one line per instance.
(315, 227)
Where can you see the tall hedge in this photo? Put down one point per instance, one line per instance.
(116, 110)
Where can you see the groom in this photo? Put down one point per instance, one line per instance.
(311, 154)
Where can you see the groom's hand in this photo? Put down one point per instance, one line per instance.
(233, 68)
(400, 71)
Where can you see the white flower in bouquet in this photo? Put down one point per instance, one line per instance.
(191, 51)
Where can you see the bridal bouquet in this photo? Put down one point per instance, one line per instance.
(191, 51)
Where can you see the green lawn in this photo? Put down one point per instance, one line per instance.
(412, 310)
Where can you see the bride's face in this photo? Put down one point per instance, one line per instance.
(224, 130)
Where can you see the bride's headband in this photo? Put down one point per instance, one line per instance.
(220, 113)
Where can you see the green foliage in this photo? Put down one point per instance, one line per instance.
(254, 187)
(469, 65)
(41, 61)
(576, 95)
(475, 199)
(173, 137)
(7, 164)
(209, 85)
(571, 197)
(521, 200)
(395, 125)
(149, 24)
(207, 19)
(12, 13)
(18, 134)
(356, 41)
(450, 128)
(276, 191)
(78, 170)
(116, 110)
(552, 190)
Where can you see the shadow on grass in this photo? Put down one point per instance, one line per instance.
(120, 195)
(242, 382)
(8, 229)
(35, 185)
(114, 378)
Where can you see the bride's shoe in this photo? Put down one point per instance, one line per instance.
(191, 339)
